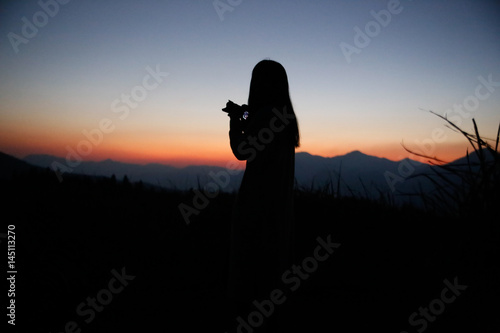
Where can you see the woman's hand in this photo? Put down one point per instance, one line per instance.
(234, 109)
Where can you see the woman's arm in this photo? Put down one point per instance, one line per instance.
(258, 135)
(238, 136)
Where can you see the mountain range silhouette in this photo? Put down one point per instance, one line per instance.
(353, 174)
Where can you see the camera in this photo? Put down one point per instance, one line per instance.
(234, 109)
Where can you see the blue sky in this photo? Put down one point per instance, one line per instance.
(63, 81)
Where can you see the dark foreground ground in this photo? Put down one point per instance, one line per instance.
(103, 256)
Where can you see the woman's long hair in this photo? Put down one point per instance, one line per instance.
(269, 87)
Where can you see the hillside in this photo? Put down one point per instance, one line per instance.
(10, 166)
(391, 261)
(354, 174)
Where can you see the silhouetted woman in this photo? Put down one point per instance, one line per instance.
(265, 134)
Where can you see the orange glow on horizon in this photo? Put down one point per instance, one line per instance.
(221, 157)
(181, 151)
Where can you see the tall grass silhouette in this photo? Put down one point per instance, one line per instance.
(470, 187)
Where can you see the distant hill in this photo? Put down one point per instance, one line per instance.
(155, 174)
(360, 174)
(10, 165)
(354, 174)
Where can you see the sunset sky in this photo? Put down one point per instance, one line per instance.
(77, 76)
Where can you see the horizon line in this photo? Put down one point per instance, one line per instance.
(229, 161)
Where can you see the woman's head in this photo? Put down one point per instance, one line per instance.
(269, 87)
